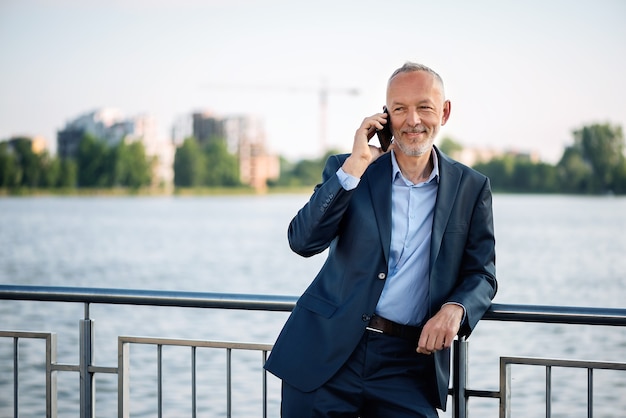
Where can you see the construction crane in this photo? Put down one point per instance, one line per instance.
(323, 92)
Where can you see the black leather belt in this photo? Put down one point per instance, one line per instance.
(385, 326)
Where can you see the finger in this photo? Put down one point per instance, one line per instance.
(424, 346)
(378, 120)
(421, 350)
(436, 342)
(369, 127)
(429, 351)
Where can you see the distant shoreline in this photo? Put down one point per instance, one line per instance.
(152, 192)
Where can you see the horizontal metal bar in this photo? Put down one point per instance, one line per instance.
(476, 393)
(471, 393)
(24, 334)
(557, 314)
(148, 297)
(64, 368)
(497, 312)
(102, 369)
(547, 362)
(196, 343)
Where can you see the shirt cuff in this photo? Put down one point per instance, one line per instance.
(458, 304)
(347, 181)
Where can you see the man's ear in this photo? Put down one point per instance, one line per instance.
(447, 108)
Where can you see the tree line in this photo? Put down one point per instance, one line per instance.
(96, 165)
(124, 165)
(593, 164)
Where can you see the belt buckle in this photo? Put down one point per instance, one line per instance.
(374, 330)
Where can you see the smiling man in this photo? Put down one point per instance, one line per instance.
(411, 265)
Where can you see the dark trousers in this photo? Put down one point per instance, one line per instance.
(384, 377)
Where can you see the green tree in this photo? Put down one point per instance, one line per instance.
(545, 178)
(222, 168)
(519, 174)
(132, 168)
(68, 173)
(574, 172)
(21, 167)
(500, 172)
(531, 177)
(28, 161)
(95, 163)
(620, 178)
(10, 173)
(189, 164)
(50, 170)
(593, 163)
(303, 172)
(308, 172)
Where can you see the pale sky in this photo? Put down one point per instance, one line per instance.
(519, 74)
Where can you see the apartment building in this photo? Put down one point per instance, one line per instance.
(111, 126)
(245, 137)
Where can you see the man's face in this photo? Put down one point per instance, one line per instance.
(417, 108)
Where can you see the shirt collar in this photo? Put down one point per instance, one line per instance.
(395, 172)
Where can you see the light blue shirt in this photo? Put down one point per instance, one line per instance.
(405, 296)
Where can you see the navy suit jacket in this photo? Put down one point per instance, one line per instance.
(330, 318)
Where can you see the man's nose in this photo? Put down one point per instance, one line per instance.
(413, 118)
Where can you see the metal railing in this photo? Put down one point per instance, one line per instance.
(124, 368)
(459, 391)
(549, 364)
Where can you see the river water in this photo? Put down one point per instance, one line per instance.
(551, 250)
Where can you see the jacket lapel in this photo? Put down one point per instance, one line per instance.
(379, 180)
(449, 180)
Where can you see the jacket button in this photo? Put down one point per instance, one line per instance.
(366, 318)
(382, 276)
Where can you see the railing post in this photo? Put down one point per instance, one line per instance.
(123, 379)
(505, 389)
(16, 380)
(87, 383)
(459, 378)
(51, 376)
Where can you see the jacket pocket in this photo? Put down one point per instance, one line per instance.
(317, 305)
(456, 228)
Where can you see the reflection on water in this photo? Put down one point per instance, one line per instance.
(550, 250)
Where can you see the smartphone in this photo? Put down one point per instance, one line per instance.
(385, 135)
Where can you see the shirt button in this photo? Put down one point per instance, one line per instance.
(382, 276)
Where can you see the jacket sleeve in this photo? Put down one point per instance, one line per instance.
(317, 224)
(477, 284)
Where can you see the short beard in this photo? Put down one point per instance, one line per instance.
(414, 152)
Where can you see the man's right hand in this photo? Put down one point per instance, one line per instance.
(363, 154)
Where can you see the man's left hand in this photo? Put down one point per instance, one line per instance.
(440, 330)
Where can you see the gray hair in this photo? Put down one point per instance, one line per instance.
(410, 67)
